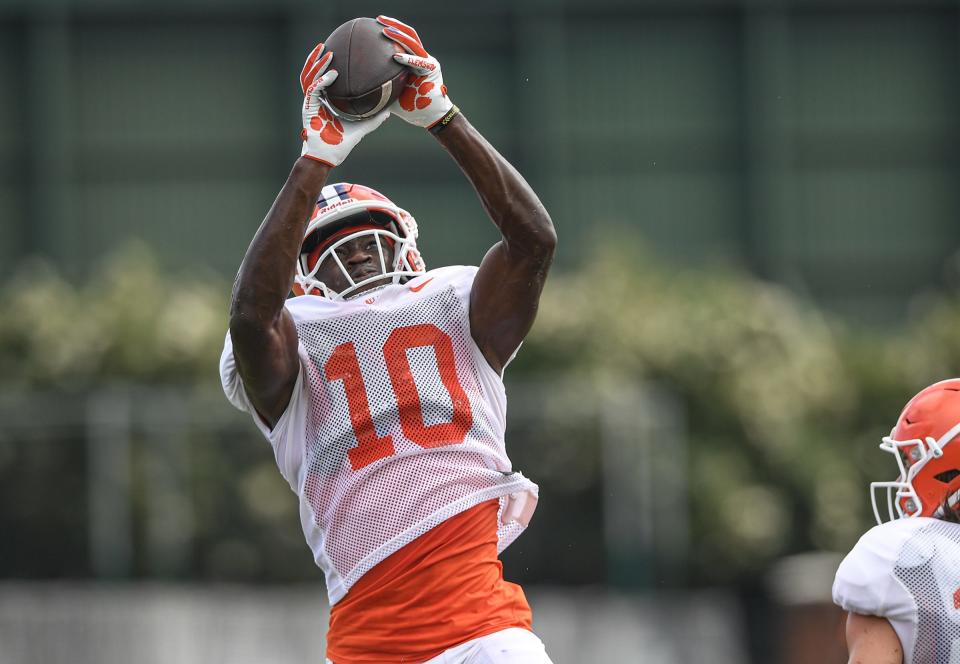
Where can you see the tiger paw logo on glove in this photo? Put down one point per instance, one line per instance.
(416, 95)
(330, 127)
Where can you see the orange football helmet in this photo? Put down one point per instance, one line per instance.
(923, 444)
(342, 213)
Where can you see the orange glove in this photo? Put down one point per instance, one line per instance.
(424, 101)
(325, 137)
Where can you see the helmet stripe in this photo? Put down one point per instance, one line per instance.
(331, 194)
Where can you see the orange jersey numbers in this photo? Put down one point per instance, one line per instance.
(343, 365)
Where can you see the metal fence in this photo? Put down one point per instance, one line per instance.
(172, 483)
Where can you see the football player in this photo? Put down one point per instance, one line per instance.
(901, 582)
(379, 385)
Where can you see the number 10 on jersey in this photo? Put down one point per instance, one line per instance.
(344, 365)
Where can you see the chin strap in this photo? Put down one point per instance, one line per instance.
(951, 504)
(366, 292)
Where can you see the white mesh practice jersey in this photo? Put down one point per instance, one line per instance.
(908, 571)
(396, 422)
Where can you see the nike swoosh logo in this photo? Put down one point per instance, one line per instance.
(417, 289)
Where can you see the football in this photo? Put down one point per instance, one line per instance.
(369, 78)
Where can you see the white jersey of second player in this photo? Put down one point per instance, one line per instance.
(396, 423)
(908, 571)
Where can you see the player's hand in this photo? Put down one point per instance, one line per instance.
(327, 138)
(424, 101)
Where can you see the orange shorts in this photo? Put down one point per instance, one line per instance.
(444, 588)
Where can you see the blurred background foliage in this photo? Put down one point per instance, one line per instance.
(128, 322)
(785, 403)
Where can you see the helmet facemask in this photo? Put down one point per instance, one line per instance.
(346, 212)
(903, 500)
(401, 267)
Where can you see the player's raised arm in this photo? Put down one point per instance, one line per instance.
(507, 288)
(262, 331)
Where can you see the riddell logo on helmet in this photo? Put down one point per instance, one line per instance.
(334, 206)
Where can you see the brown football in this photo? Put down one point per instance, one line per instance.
(369, 79)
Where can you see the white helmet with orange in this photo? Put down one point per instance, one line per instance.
(347, 211)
